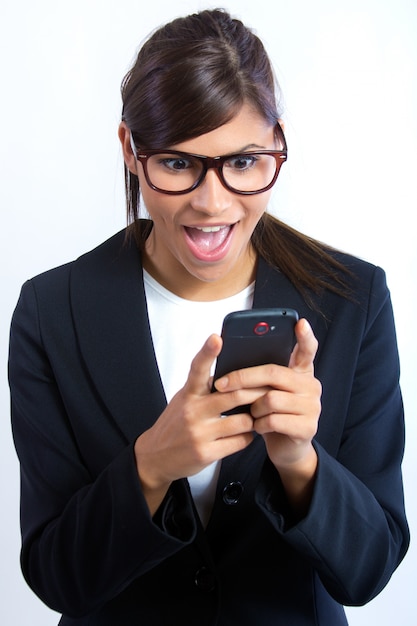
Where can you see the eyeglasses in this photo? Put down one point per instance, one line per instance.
(174, 172)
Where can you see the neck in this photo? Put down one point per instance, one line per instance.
(179, 281)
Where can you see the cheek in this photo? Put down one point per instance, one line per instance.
(158, 205)
(257, 207)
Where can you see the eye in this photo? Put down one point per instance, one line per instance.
(242, 162)
(177, 164)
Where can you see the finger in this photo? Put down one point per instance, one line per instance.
(278, 402)
(298, 428)
(199, 375)
(260, 377)
(305, 350)
(303, 399)
(233, 425)
(239, 397)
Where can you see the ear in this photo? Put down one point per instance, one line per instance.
(281, 123)
(129, 157)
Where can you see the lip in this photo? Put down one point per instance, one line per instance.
(216, 254)
(204, 225)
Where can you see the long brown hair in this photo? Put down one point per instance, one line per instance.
(192, 76)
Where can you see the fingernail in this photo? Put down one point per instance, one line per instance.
(222, 383)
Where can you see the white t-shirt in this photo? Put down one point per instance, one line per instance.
(179, 329)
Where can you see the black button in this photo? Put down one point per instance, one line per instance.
(205, 580)
(232, 492)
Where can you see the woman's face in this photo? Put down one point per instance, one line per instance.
(200, 246)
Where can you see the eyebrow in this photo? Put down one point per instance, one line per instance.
(248, 147)
(251, 146)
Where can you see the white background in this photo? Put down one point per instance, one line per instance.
(348, 71)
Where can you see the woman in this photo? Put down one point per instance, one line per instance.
(140, 503)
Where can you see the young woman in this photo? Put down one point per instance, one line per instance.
(141, 503)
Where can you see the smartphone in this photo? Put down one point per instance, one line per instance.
(255, 337)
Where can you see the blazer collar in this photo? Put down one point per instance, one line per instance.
(111, 321)
(274, 289)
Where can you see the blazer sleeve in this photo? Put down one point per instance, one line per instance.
(355, 533)
(84, 537)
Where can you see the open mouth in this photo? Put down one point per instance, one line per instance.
(207, 242)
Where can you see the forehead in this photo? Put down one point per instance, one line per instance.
(246, 130)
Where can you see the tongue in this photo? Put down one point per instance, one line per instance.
(207, 242)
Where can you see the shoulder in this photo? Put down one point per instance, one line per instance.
(84, 289)
(364, 279)
(367, 304)
(103, 254)
(358, 267)
(91, 273)
(312, 266)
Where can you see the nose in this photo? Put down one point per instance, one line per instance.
(211, 197)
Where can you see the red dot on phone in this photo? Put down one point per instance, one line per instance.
(261, 328)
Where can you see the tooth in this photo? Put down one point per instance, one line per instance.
(210, 229)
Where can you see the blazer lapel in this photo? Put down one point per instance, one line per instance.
(111, 321)
(274, 289)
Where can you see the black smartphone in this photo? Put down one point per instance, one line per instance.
(255, 337)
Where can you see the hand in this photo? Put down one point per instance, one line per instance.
(286, 412)
(190, 433)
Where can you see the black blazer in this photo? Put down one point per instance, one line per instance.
(85, 384)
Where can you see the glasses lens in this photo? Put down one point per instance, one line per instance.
(173, 172)
(249, 172)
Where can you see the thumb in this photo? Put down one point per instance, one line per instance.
(199, 374)
(302, 357)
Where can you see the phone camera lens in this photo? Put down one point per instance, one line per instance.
(261, 328)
